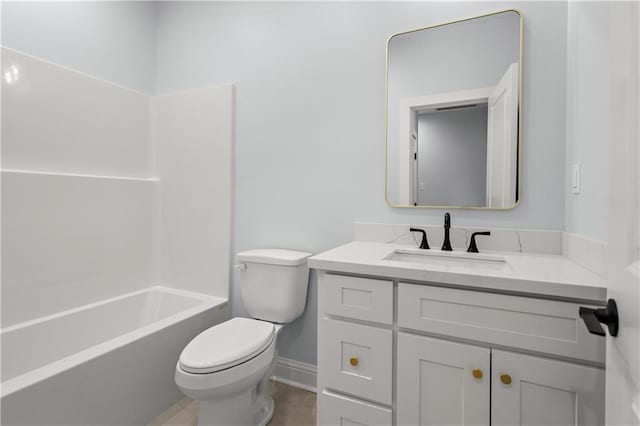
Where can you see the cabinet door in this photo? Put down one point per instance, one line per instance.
(528, 390)
(442, 383)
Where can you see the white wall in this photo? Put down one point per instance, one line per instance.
(193, 142)
(113, 40)
(101, 197)
(69, 239)
(302, 181)
(58, 120)
(452, 157)
(587, 117)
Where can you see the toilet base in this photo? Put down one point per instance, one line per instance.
(263, 416)
(235, 411)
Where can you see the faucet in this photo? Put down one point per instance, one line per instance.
(424, 244)
(473, 247)
(446, 245)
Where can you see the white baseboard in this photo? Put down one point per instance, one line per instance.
(295, 373)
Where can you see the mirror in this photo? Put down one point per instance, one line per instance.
(453, 114)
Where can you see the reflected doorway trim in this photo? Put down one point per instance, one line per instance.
(409, 108)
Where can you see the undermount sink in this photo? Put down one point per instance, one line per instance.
(432, 256)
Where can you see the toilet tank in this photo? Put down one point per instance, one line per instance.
(274, 283)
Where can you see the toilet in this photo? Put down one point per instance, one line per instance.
(227, 367)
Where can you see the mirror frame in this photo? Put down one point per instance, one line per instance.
(386, 115)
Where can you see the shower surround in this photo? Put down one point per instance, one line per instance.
(116, 235)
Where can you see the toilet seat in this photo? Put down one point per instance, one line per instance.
(226, 345)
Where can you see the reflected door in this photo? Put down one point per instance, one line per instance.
(502, 146)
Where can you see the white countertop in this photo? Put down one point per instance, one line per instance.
(524, 273)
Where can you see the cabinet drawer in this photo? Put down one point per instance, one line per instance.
(355, 359)
(545, 326)
(339, 410)
(359, 298)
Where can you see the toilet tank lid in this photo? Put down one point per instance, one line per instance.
(274, 257)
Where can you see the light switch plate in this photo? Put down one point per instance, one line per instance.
(576, 176)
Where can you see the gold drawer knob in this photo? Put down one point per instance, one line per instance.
(505, 378)
(477, 373)
(353, 361)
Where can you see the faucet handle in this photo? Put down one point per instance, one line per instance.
(424, 244)
(473, 248)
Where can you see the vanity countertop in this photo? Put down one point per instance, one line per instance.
(525, 273)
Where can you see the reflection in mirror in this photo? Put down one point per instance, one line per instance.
(453, 114)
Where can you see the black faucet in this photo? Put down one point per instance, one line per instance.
(473, 248)
(424, 244)
(446, 245)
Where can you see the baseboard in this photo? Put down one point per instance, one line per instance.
(295, 373)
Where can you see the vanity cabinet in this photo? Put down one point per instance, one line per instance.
(391, 352)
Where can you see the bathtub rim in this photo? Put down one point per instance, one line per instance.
(13, 385)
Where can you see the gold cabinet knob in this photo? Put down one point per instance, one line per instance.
(353, 361)
(505, 378)
(477, 373)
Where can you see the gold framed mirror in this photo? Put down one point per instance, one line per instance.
(453, 118)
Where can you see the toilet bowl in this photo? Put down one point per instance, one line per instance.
(227, 367)
(223, 367)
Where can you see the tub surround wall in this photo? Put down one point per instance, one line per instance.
(77, 192)
(94, 205)
(55, 119)
(72, 240)
(193, 133)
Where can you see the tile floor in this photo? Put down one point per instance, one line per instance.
(294, 407)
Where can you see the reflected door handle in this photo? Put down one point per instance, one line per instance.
(608, 316)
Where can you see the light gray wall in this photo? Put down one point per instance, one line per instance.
(452, 157)
(310, 117)
(587, 117)
(112, 40)
(462, 56)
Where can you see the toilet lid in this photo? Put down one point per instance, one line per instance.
(226, 345)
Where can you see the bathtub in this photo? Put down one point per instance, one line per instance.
(107, 363)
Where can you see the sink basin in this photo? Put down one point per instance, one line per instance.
(440, 257)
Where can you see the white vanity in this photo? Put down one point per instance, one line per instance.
(411, 337)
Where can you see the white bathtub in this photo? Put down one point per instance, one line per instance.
(107, 363)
